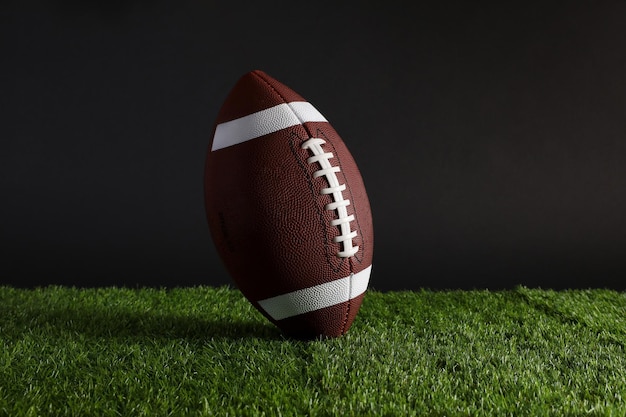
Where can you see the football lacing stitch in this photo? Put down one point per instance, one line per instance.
(335, 190)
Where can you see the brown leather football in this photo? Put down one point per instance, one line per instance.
(287, 209)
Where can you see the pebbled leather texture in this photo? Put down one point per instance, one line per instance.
(267, 217)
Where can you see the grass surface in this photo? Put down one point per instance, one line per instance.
(206, 351)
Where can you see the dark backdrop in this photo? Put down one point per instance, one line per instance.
(492, 139)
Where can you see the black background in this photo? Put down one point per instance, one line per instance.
(492, 139)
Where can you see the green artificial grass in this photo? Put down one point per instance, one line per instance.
(206, 351)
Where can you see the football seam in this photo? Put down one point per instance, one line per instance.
(347, 316)
(352, 200)
(309, 133)
(327, 249)
(336, 155)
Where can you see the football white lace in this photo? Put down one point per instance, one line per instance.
(335, 189)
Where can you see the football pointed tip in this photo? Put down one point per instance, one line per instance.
(256, 77)
(264, 76)
(257, 73)
(253, 76)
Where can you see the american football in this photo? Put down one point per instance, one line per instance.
(287, 209)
